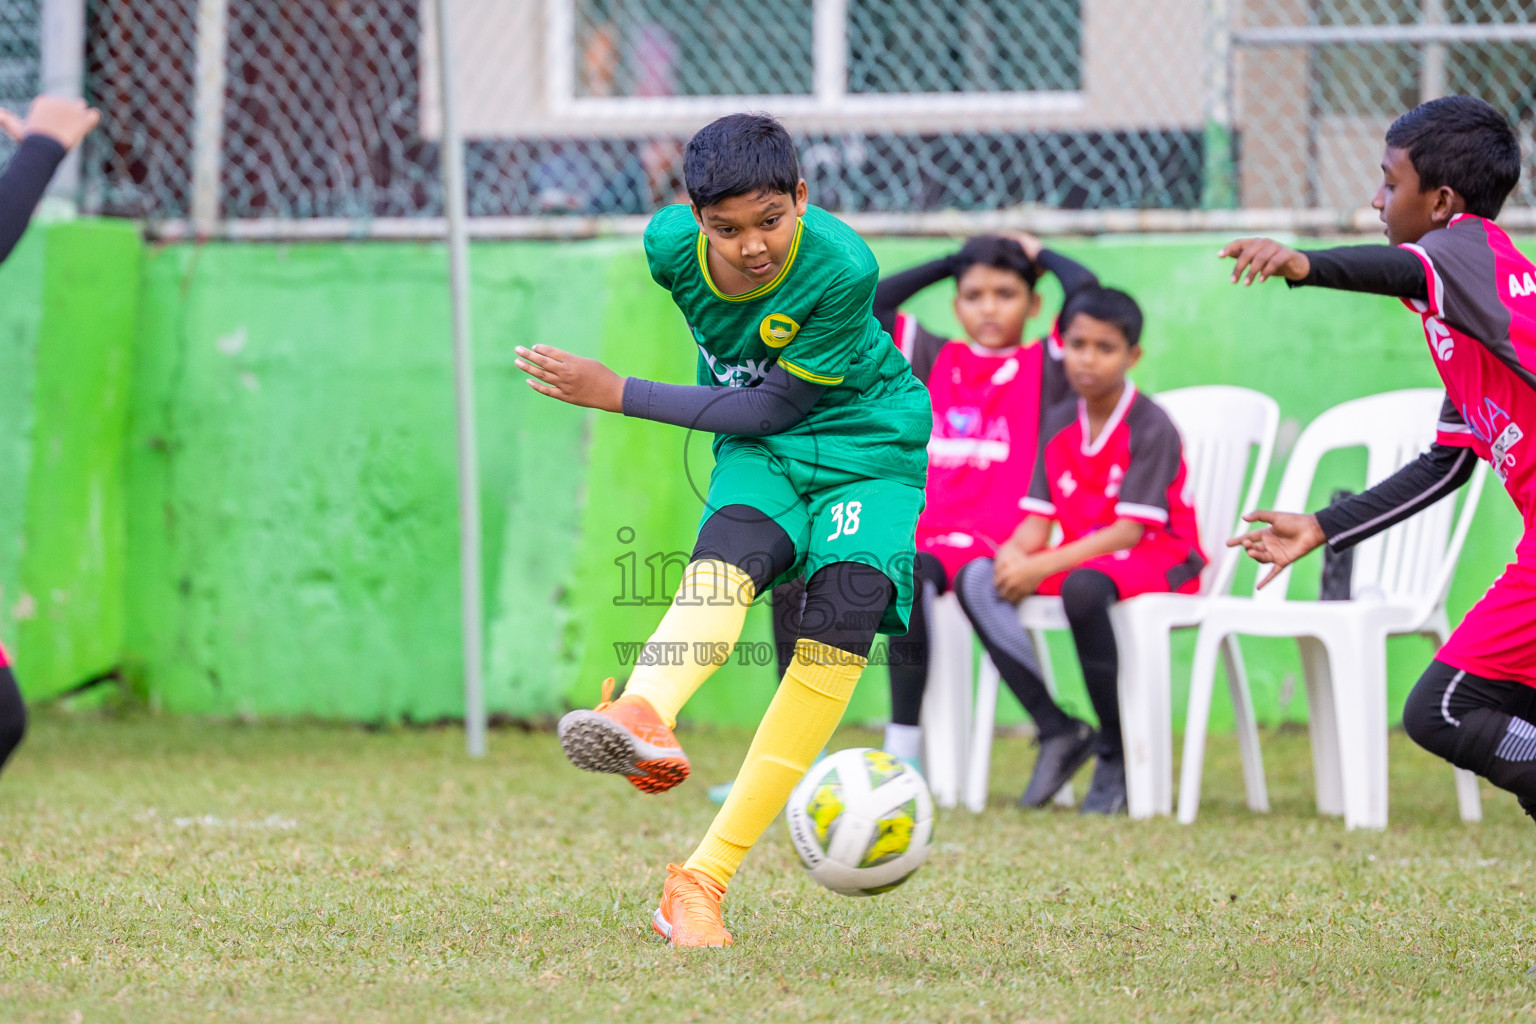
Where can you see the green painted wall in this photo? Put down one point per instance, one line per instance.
(237, 464)
(66, 339)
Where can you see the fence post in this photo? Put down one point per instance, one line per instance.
(1219, 190)
(62, 73)
(471, 598)
(208, 114)
(1432, 55)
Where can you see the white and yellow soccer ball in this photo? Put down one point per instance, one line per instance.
(861, 821)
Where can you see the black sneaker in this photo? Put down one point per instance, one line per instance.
(1529, 807)
(1059, 758)
(1106, 794)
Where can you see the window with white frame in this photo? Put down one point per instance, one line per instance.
(650, 56)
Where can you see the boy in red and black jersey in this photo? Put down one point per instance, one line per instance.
(1447, 169)
(990, 390)
(1111, 474)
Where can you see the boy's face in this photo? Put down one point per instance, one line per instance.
(1408, 213)
(993, 305)
(1096, 357)
(752, 233)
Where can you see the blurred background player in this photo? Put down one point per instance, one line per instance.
(1111, 474)
(53, 126)
(819, 468)
(988, 392)
(1448, 167)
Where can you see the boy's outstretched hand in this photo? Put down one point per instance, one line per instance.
(574, 379)
(1288, 537)
(62, 119)
(1264, 258)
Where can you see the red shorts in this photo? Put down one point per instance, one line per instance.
(1143, 569)
(1497, 639)
(954, 550)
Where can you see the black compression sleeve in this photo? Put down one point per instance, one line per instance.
(1377, 269)
(22, 185)
(892, 291)
(775, 405)
(1072, 274)
(1418, 485)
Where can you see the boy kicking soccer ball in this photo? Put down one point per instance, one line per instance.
(819, 469)
(1449, 166)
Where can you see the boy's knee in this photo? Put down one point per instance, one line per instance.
(1087, 592)
(974, 575)
(1422, 719)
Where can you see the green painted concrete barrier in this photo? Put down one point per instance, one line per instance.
(236, 463)
(72, 295)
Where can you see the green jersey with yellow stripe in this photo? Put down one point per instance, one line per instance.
(814, 319)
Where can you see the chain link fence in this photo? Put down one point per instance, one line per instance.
(321, 116)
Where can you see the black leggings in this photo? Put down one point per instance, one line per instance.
(13, 713)
(1086, 595)
(843, 603)
(907, 654)
(1487, 726)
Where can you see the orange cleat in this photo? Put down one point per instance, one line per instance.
(689, 914)
(625, 737)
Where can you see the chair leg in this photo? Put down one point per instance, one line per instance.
(1468, 800)
(1360, 698)
(1322, 726)
(1246, 724)
(1202, 681)
(946, 706)
(979, 764)
(1144, 715)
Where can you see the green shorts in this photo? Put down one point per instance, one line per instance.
(831, 515)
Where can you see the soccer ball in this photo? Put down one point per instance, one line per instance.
(861, 821)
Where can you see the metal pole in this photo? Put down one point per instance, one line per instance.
(208, 113)
(1220, 184)
(1432, 60)
(471, 599)
(63, 74)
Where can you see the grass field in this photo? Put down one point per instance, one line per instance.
(155, 870)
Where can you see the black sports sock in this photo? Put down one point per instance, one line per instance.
(1086, 595)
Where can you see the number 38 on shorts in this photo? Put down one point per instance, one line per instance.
(846, 515)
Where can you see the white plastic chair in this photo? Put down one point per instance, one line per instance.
(1222, 429)
(1399, 585)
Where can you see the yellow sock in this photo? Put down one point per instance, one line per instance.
(798, 724)
(695, 637)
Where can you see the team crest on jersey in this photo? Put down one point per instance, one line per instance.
(1439, 337)
(777, 330)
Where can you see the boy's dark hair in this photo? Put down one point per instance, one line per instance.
(1465, 143)
(1110, 305)
(738, 155)
(994, 251)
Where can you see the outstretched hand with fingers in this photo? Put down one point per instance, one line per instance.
(571, 378)
(1263, 258)
(61, 118)
(1287, 537)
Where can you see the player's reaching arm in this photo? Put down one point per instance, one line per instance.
(1377, 269)
(1445, 467)
(775, 405)
(1288, 536)
(53, 126)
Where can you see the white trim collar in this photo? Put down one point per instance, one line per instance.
(1097, 444)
